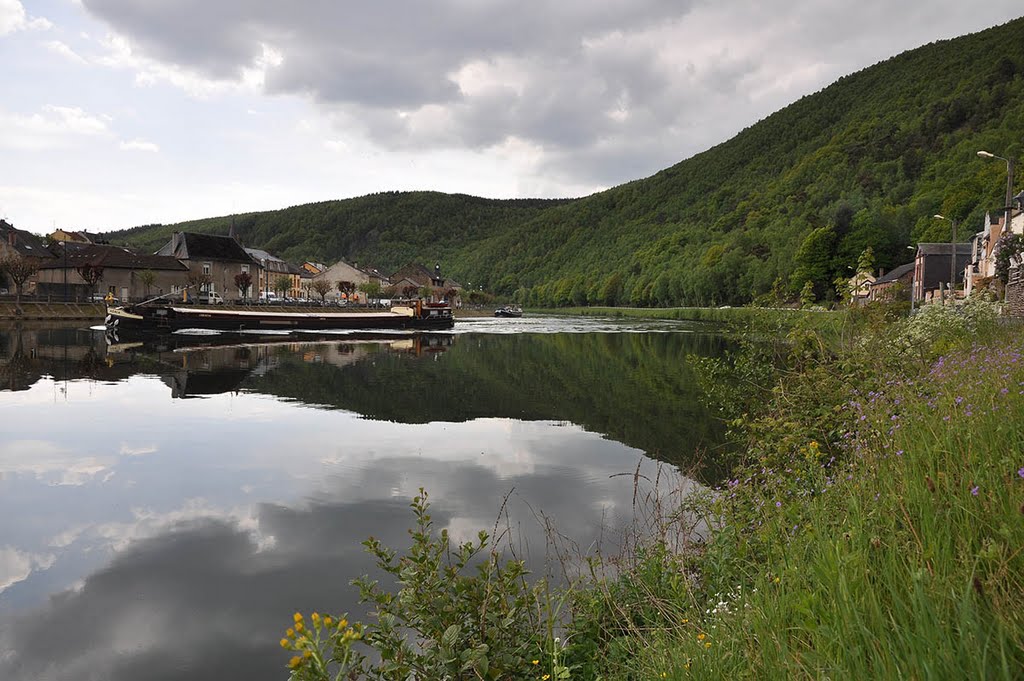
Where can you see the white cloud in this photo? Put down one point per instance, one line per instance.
(16, 566)
(13, 18)
(53, 126)
(50, 463)
(139, 145)
(65, 51)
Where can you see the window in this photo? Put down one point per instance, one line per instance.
(245, 268)
(207, 267)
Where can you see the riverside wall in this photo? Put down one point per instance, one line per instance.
(31, 310)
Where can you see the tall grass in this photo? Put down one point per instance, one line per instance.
(873, 530)
(890, 548)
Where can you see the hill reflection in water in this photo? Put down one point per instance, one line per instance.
(166, 506)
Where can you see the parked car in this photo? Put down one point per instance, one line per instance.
(210, 298)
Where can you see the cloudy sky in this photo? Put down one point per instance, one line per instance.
(123, 112)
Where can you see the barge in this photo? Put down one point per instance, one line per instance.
(419, 316)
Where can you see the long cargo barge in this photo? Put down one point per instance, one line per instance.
(169, 318)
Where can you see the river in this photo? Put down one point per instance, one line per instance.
(165, 507)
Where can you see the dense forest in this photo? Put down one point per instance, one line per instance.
(795, 198)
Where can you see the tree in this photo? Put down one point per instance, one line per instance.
(814, 260)
(371, 289)
(282, 284)
(807, 294)
(197, 281)
(18, 269)
(1008, 252)
(346, 287)
(243, 280)
(147, 278)
(866, 261)
(321, 287)
(91, 275)
(409, 290)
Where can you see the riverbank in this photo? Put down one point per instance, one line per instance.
(735, 316)
(872, 529)
(34, 311)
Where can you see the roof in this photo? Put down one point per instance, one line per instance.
(100, 255)
(25, 243)
(192, 246)
(943, 249)
(895, 274)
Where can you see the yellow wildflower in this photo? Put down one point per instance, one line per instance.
(700, 637)
(294, 662)
(299, 627)
(708, 644)
(535, 662)
(297, 617)
(306, 655)
(290, 633)
(342, 623)
(545, 677)
(285, 643)
(315, 617)
(328, 621)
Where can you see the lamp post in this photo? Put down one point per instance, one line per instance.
(913, 280)
(952, 255)
(1009, 185)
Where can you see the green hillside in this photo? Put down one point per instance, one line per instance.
(385, 230)
(798, 196)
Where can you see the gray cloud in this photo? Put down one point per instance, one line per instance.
(205, 601)
(634, 84)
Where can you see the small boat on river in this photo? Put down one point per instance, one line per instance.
(509, 311)
(166, 318)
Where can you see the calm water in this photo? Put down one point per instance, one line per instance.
(165, 508)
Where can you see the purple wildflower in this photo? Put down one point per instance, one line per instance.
(778, 504)
(974, 491)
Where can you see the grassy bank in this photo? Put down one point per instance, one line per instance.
(737, 316)
(874, 528)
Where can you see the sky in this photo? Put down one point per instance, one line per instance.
(118, 113)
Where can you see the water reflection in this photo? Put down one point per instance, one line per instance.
(171, 537)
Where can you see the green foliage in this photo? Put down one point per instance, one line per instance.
(864, 163)
(872, 531)
(459, 612)
(807, 296)
(1008, 249)
(282, 284)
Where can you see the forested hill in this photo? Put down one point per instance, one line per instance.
(798, 196)
(385, 230)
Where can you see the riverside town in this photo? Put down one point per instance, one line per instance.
(491, 342)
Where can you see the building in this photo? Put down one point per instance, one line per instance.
(895, 283)
(126, 275)
(27, 245)
(272, 268)
(352, 273)
(212, 261)
(416, 274)
(981, 270)
(933, 269)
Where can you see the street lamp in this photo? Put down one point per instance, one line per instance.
(1009, 185)
(952, 256)
(913, 280)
